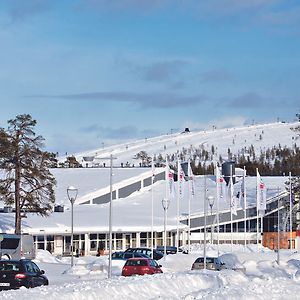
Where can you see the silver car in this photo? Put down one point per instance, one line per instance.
(212, 263)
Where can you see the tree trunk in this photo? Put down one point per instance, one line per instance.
(17, 202)
(17, 190)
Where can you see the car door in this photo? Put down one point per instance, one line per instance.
(30, 274)
(39, 278)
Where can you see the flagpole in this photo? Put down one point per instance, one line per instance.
(245, 207)
(189, 208)
(205, 206)
(152, 206)
(257, 220)
(217, 196)
(291, 221)
(278, 228)
(178, 195)
(231, 225)
(165, 206)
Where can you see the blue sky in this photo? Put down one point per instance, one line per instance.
(106, 71)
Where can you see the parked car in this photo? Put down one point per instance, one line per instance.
(169, 249)
(121, 255)
(16, 246)
(230, 261)
(156, 254)
(17, 273)
(141, 266)
(212, 263)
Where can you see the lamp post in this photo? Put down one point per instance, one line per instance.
(278, 229)
(72, 194)
(211, 201)
(165, 203)
(111, 157)
(205, 206)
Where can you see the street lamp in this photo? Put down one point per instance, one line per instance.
(165, 203)
(111, 157)
(211, 201)
(72, 194)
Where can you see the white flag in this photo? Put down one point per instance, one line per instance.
(221, 184)
(232, 198)
(180, 180)
(153, 169)
(191, 177)
(170, 193)
(261, 193)
(171, 184)
(242, 192)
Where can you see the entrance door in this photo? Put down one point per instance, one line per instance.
(127, 241)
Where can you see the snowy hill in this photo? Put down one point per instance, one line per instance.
(260, 136)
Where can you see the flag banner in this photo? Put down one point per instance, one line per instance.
(242, 192)
(180, 180)
(261, 193)
(153, 169)
(191, 177)
(171, 184)
(221, 185)
(232, 198)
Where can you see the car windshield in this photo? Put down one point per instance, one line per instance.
(9, 266)
(199, 260)
(153, 263)
(128, 255)
(209, 260)
(117, 255)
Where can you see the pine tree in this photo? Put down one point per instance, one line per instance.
(27, 183)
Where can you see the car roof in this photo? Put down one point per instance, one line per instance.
(208, 257)
(14, 260)
(139, 258)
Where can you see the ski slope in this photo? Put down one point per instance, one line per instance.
(261, 136)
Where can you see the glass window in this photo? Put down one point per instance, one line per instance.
(29, 267)
(35, 267)
(93, 245)
(50, 237)
(9, 266)
(153, 263)
(9, 243)
(119, 241)
(93, 236)
(128, 255)
(40, 238)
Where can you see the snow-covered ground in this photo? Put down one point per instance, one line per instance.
(263, 279)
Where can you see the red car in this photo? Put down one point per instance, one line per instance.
(141, 266)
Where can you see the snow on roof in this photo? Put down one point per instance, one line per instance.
(134, 212)
(89, 180)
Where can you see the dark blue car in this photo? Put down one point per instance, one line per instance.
(121, 255)
(17, 273)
